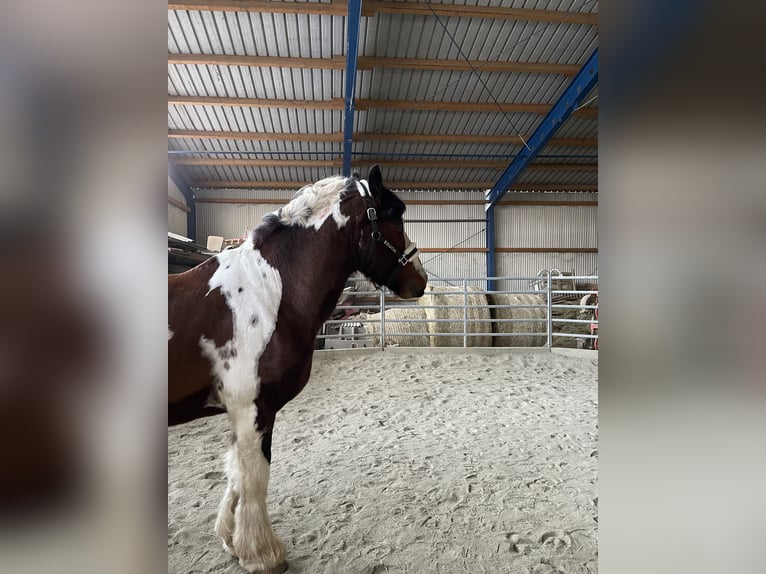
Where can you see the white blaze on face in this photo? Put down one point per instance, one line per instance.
(409, 245)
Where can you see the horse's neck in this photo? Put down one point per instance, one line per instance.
(315, 266)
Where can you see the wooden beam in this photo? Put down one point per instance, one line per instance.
(370, 8)
(257, 162)
(369, 63)
(424, 163)
(179, 204)
(335, 63)
(509, 249)
(490, 12)
(255, 136)
(410, 105)
(538, 203)
(334, 8)
(251, 201)
(338, 136)
(334, 104)
(337, 104)
(219, 184)
(452, 249)
(545, 250)
(471, 138)
(276, 201)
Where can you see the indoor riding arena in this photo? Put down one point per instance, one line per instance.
(450, 420)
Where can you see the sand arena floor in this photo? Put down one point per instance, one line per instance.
(413, 461)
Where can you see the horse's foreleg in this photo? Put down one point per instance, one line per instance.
(224, 524)
(253, 540)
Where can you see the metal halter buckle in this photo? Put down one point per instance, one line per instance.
(375, 235)
(403, 260)
(372, 215)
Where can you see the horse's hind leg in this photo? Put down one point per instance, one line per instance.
(253, 540)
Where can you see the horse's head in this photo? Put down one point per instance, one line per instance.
(385, 253)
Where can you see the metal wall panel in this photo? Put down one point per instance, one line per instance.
(543, 226)
(452, 265)
(229, 220)
(177, 220)
(529, 264)
(282, 195)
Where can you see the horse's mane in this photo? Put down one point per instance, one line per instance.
(317, 199)
(307, 201)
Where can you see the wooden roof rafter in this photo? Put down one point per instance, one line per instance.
(366, 104)
(373, 7)
(338, 137)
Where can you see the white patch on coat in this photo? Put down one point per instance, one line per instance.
(314, 204)
(170, 333)
(253, 291)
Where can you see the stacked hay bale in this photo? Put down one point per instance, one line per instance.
(399, 334)
(477, 314)
(520, 340)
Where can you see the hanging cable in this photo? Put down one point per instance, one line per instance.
(542, 28)
(478, 76)
(453, 247)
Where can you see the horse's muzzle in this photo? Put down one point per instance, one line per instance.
(412, 290)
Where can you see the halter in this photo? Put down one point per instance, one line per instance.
(377, 237)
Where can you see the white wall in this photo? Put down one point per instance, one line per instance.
(177, 222)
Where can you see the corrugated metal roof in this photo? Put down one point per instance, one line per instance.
(382, 35)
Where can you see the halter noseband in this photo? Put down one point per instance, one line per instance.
(377, 237)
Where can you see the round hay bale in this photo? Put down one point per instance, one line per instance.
(520, 339)
(399, 334)
(477, 316)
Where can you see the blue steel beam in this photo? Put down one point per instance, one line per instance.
(191, 216)
(352, 48)
(490, 233)
(575, 93)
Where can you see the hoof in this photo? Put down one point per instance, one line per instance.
(229, 549)
(278, 569)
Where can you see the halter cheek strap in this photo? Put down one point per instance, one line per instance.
(377, 237)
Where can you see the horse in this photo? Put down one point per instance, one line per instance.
(241, 330)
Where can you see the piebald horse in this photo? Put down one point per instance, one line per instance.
(241, 330)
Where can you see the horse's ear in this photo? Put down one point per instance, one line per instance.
(375, 179)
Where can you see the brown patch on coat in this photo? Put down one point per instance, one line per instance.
(193, 313)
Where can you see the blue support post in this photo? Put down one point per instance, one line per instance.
(191, 216)
(573, 95)
(352, 48)
(490, 232)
